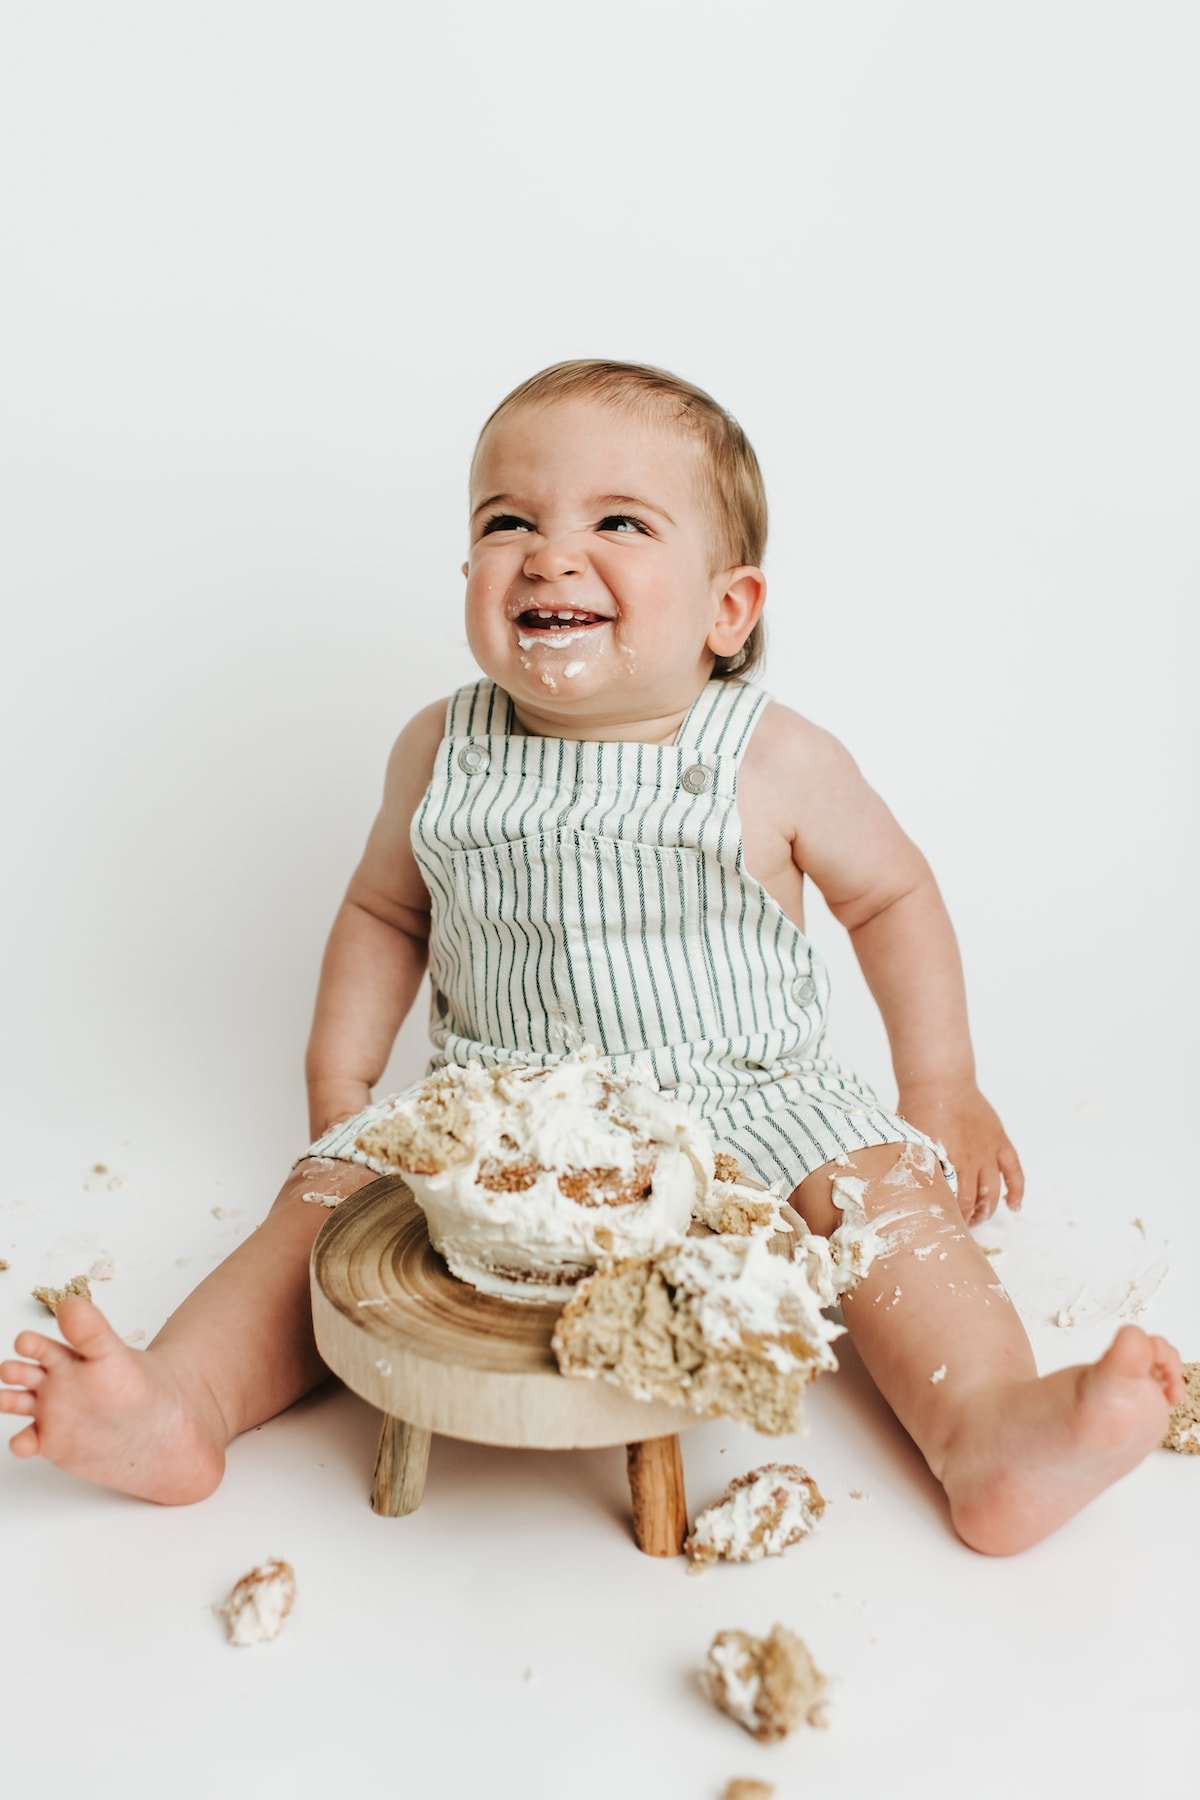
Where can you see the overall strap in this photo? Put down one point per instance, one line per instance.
(720, 720)
(481, 709)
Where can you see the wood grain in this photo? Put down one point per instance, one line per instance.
(400, 1467)
(660, 1521)
(435, 1352)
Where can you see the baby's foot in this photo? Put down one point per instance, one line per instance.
(113, 1415)
(1034, 1453)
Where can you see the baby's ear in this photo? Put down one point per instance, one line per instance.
(738, 610)
(466, 568)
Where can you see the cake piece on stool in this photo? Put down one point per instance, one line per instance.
(718, 1324)
(529, 1177)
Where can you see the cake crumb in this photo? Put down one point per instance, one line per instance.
(767, 1685)
(1183, 1427)
(744, 1787)
(1140, 1225)
(858, 1494)
(314, 1198)
(761, 1513)
(992, 1249)
(383, 1365)
(52, 1297)
(3, 1265)
(258, 1604)
(103, 1269)
(134, 1338)
(939, 1374)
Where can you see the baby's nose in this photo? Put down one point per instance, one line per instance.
(553, 559)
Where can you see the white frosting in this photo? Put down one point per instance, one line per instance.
(733, 1527)
(711, 1204)
(259, 1603)
(739, 1679)
(738, 1287)
(576, 1115)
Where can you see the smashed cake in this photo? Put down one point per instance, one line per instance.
(768, 1685)
(530, 1176)
(718, 1324)
(1183, 1427)
(761, 1513)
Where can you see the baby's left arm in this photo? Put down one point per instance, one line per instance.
(879, 886)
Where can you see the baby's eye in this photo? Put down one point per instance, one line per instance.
(621, 519)
(503, 521)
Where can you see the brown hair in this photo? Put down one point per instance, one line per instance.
(734, 498)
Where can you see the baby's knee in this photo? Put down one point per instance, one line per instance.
(903, 1180)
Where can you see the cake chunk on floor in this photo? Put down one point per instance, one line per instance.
(1183, 1427)
(52, 1297)
(259, 1603)
(717, 1324)
(768, 1685)
(760, 1514)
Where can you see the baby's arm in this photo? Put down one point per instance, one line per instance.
(378, 947)
(879, 886)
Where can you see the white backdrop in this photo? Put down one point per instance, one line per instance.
(266, 269)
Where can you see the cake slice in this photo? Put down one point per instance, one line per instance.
(718, 1324)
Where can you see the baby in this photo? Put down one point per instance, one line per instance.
(605, 840)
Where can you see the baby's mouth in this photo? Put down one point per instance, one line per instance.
(543, 623)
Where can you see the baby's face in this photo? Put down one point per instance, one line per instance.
(589, 594)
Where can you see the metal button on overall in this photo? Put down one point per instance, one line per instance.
(473, 759)
(804, 990)
(697, 779)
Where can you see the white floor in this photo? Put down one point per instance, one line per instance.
(509, 1639)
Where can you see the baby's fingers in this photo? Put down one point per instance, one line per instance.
(1014, 1176)
(968, 1191)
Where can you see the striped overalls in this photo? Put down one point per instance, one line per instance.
(595, 893)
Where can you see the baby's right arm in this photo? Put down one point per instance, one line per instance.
(379, 944)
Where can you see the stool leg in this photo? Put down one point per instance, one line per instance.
(400, 1468)
(656, 1488)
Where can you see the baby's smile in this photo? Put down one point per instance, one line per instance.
(555, 626)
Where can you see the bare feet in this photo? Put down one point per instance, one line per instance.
(1030, 1454)
(116, 1416)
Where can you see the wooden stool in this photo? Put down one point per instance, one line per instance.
(436, 1355)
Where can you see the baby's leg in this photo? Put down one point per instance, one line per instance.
(1018, 1455)
(240, 1349)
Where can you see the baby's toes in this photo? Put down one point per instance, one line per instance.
(1167, 1369)
(25, 1443)
(85, 1327)
(22, 1374)
(17, 1401)
(47, 1351)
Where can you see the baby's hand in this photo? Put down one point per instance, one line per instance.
(976, 1143)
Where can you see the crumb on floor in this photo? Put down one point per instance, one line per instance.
(52, 1297)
